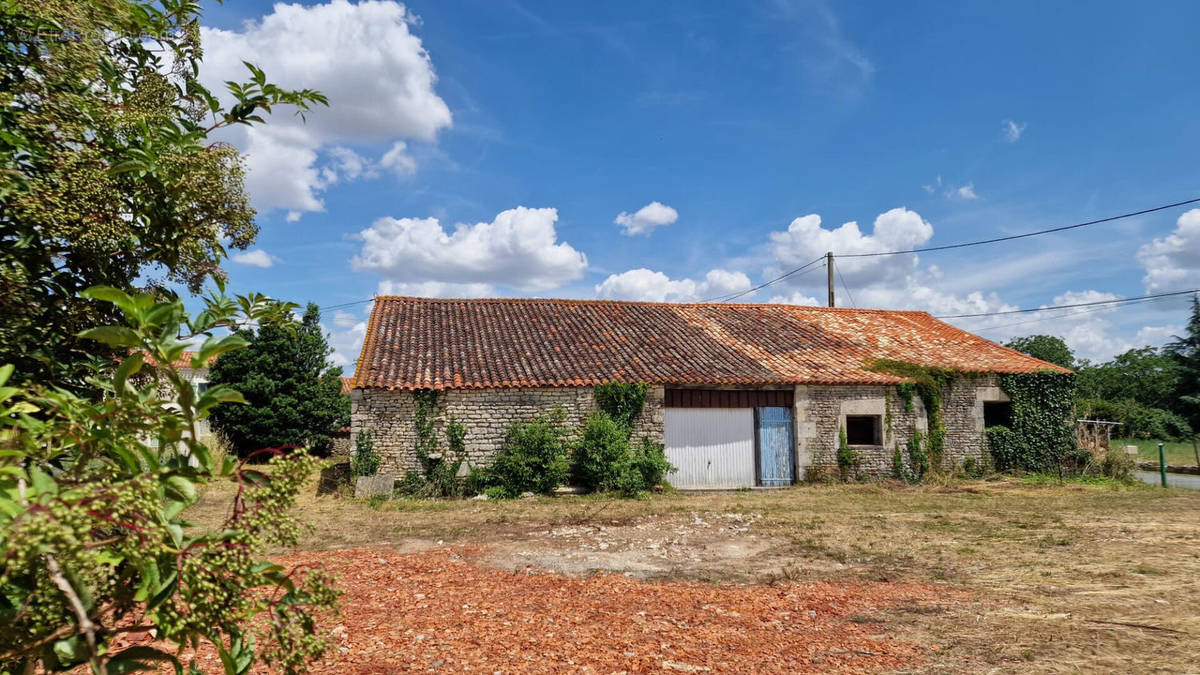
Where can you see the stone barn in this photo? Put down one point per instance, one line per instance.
(740, 395)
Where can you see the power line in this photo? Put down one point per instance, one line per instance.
(844, 286)
(1115, 301)
(956, 246)
(728, 297)
(349, 304)
(1071, 315)
(1027, 234)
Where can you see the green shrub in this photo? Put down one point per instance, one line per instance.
(622, 401)
(602, 453)
(1116, 464)
(477, 480)
(365, 461)
(412, 485)
(533, 457)
(650, 459)
(497, 492)
(973, 468)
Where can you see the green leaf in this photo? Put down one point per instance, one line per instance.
(130, 366)
(114, 336)
(109, 294)
(184, 487)
(71, 651)
(6, 372)
(42, 482)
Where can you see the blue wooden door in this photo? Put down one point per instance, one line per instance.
(775, 465)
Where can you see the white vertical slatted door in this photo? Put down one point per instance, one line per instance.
(710, 447)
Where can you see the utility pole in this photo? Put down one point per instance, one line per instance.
(829, 274)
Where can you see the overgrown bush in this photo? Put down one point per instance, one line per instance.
(1116, 464)
(533, 457)
(606, 460)
(650, 459)
(366, 460)
(602, 453)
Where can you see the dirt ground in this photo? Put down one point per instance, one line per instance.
(1045, 577)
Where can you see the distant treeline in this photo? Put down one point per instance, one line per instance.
(1153, 392)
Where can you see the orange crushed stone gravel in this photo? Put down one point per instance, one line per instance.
(441, 610)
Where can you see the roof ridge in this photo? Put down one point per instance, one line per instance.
(650, 303)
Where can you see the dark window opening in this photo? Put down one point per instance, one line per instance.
(997, 414)
(863, 430)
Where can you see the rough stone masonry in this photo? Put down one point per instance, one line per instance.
(819, 411)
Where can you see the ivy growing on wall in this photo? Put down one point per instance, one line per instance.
(917, 465)
(1041, 434)
(426, 405)
(929, 383)
(848, 458)
(623, 401)
(439, 472)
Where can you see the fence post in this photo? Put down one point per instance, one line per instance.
(1162, 465)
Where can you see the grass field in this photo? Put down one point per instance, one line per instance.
(1059, 578)
(1178, 454)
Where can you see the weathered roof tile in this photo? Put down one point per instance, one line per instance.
(417, 343)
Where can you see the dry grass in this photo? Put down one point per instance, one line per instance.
(1064, 577)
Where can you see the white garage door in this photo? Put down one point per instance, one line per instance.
(710, 447)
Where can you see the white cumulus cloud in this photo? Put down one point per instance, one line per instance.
(519, 248)
(1173, 262)
(364, 57)
(645, 219)
(256, 257)
(437, 289)
(651, 286)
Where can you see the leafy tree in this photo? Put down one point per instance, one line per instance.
(1048, 348)
(108, 173)
(1185, 352)
(294, 397)
(1147, 376)
(92, 496)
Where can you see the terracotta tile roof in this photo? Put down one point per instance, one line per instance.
(347, 385)
(184, 360)
(415, 343)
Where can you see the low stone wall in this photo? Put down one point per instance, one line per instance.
(486, 414)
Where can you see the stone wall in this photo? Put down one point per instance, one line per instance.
(821, 411)
(486, 414)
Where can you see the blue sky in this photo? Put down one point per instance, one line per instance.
(493, 148)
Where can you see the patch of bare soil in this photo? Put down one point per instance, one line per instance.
(443, 610)
(725, 547)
